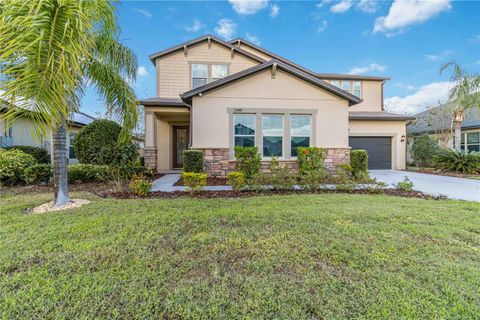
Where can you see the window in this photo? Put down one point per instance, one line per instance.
(346, 85)
(272, 132)
(473, 141)
(199, 75)
(300, 130)
(335, 83)
(219, 71)
(357, 89)
(244, 130)
(205, 73)
(71, 152)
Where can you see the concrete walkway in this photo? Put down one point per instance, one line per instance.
(452, 187)
(166, 184)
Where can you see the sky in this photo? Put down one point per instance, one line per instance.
(406, 40)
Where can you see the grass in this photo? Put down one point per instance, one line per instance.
(332, 256)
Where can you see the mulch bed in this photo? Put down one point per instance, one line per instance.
(211, 181)
(246, 194)
(444, 173)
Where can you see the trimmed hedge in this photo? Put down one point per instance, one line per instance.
(194, 181)
(236, 180)
(248, 161)
(359, 162)
(97, 143)
(38, 173)
(87, 173)
(13, 164)
(193, 161)
(310, 159)
(40, 154)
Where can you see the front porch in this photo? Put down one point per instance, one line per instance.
(167, 135)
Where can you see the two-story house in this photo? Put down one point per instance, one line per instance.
(214, 95)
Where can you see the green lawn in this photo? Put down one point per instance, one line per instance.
(331, 256)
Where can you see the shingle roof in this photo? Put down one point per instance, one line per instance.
(440, 118)
(195, 41)
(380, 115)
(280, 65)
(81, 118)
(326, 76)
(167, 102)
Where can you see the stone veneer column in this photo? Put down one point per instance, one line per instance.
(217, 162)
(335, 157)
(150, 149)
(150, 156)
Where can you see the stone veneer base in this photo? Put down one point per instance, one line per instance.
(150, 157)
(218, 163)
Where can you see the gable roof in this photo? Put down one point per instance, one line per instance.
(440, 118)
(378, 116)
(328, 76)
(201, 39)
(187, 96)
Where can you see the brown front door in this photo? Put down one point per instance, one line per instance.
(180, 143)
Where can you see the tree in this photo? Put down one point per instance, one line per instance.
(50, 51)
(464, 95)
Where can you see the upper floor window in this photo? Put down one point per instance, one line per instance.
(205, 73)
(353, 87)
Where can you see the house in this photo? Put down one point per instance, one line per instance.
(213, 95)
(22, 133)
(437, 121)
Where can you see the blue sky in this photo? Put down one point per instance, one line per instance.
(406, 40)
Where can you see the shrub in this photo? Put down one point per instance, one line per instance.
(279, 177)
(313, 180)
(13, 164)
(194, 181)
(359, 163)
(40, 154)
(193, 161)
(459, 161)
(98, 143)
(140, 186)
(310, 159)
(38, 173)
(236, 179)
(87, 173)
(248, 161)
(405, 185)
(424, 149)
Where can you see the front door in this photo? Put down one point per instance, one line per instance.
(180, 143)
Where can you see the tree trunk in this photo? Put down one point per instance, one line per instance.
(59, 150)
(458, 135)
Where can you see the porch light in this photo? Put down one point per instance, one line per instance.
(402, 139)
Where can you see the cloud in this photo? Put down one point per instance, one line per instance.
(253, 39)
(439, 57)
(226, 28)
(323, 3)
(322, 26)
(429, 95)
(142, 72)
(368, 6)
(197, 25)
(248, 7)
(274, 10)
(146, 13)
(404, 13)
(342, 6)
(370, 67)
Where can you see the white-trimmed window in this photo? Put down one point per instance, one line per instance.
(335, 83)
(199, 75)
(300, 132)
(272, 135)
(244, 130)
(471, 141)
(346, 85)
(219, 71)
(357, 88)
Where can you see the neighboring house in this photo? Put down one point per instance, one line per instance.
(437, 121)
(213, 95)
(22, 133)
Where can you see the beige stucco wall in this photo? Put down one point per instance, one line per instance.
(394, 129)
(173, 71)
(211, 128)
(164, 136)
(371, 95)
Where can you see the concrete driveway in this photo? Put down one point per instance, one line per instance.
(452, 187)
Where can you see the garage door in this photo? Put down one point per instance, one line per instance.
(379, 150)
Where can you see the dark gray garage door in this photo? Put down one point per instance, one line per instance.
(379, 150)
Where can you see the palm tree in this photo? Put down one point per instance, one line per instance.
(50, 51)
(465, 94)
